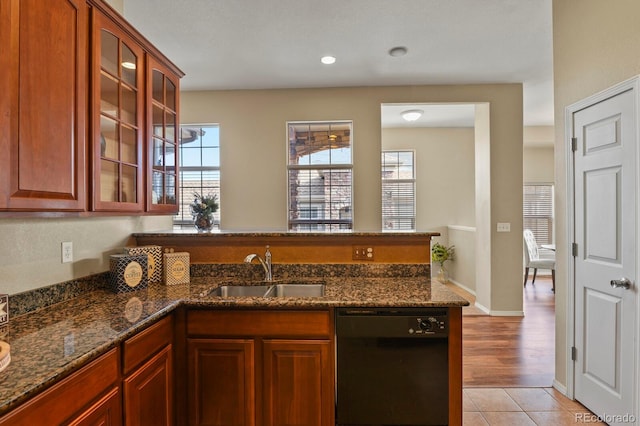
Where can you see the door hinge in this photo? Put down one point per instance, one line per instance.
(574, 144)
(574, 353)
(574, 249)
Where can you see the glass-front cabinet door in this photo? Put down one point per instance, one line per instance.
(118, 114)
(163, 139)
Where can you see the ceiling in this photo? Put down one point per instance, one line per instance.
(256, 44)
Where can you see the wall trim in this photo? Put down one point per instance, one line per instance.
(499, 313)
(559, 387)
(507, 313)
(482, 308)
(462, 286)
(462, 228)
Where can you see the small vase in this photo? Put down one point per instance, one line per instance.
(203, 222)
(443, 275)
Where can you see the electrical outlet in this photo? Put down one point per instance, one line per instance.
(504, 227)
(67, 252)
(362, 253)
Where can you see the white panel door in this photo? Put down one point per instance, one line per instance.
(605, 232)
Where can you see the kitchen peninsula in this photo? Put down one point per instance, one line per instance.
(298, 247)
(160, 335)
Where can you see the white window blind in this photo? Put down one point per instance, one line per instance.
(538, 211)
(398, 191)
(320, 176)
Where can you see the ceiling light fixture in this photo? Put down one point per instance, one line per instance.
(129, 65)
(328, 60)
(398, 51)
(412, 114)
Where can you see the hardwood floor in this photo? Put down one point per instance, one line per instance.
(511, 351)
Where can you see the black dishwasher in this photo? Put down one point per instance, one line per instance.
(392, 366)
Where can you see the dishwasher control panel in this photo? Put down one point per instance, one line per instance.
(427, 325)
(392, 322)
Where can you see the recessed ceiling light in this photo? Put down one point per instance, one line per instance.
(328, 60)
(398, 51)
(412, 114)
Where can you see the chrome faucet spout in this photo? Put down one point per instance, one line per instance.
(266, 263)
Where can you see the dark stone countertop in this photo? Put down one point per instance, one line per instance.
(51, 343)
(234, 234)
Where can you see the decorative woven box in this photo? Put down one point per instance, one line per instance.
(176, 268)
(4, 309)
(154, 260)
(128, 272)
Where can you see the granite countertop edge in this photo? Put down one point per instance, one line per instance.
(231, 234)
(49, 344)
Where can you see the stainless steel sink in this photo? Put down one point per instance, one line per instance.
(296, 290)
(276, 290)
(240, 290)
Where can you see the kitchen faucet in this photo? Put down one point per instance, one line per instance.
(266, 263)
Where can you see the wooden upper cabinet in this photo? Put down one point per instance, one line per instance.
(43, 105)
(163, 137)
(118, 64)
(85, 122)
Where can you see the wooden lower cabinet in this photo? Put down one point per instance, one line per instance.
(107, 411)
(297, 382)
(260, 368)
(148, 376)
(148, 392)
(222, 382)
(90, 396)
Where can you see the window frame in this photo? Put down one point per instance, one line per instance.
(412, 181)
(328, 223)
(550, 218)
(183, 222)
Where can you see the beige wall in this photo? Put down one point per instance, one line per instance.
(117, 5)
(538, 165)
(594, 44)
(462, 270)
(30, 249)
(445, 173)
(484, 214)
(253, 159)
(537, 156)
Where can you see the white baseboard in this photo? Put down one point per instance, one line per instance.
(499, 313)
(507, 313)
(462, 286)
(559, 387)
(482, 308)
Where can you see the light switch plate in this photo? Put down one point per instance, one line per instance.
(504, 227)
(362, 253)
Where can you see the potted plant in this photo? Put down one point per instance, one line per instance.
(202, 210)
(440, 254)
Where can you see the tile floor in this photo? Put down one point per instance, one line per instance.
(522, 406)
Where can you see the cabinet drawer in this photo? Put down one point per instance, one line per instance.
(67, 398)
(308, 324)
(146, 343)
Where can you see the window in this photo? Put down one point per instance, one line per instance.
(199, 168)
(398, 191)
(538, 211)
(319, 176)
